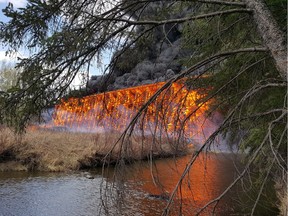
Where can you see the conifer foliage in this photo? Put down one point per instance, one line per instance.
(236, 49)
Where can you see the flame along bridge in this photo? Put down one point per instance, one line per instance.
(172, 111)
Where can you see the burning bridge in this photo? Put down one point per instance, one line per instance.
(170, 113)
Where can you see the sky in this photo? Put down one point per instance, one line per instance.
(3, 4)
(16, 3)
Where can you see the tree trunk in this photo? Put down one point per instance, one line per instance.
(271, 34)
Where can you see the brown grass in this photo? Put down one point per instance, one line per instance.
(281, 191)
(62, 151)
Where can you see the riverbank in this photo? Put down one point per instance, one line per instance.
(60, 151)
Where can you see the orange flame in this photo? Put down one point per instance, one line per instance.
(172, 111)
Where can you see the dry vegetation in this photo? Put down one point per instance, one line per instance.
(48, 150)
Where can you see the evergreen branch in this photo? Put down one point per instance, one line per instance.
(188, 71)
(270, 128)
(272, 35)
(257, 115)
(171, 21)
(240, 4)
(129, 129)
(240, 176)
(247, 167)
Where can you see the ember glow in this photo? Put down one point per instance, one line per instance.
(173, 112)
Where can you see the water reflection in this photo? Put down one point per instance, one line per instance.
(154, 182)
(136, 194)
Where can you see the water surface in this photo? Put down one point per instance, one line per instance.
(142, 188)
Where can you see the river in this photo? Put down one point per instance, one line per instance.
(128, 190)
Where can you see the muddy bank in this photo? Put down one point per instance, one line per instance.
(57, 151)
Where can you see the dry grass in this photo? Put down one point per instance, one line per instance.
(62, 151)
(281, 192)
(45, 150)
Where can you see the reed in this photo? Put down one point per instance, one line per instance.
(47, 150)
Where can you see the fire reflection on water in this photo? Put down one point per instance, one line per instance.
(154, 183)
